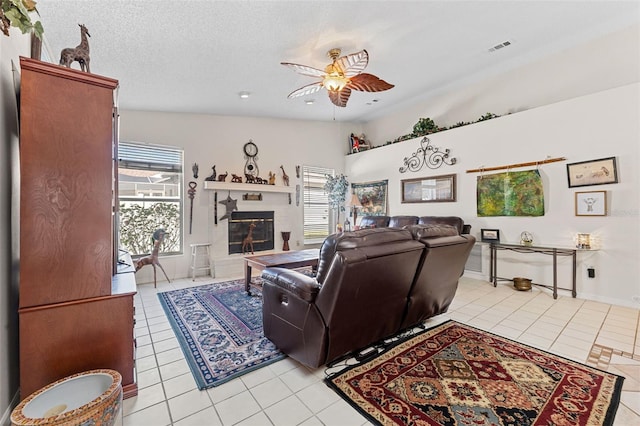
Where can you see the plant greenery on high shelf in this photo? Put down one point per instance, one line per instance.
(336, 189)
(17, 13)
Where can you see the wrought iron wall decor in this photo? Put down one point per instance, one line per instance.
(427, 155)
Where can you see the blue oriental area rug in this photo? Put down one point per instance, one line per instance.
(219, 329)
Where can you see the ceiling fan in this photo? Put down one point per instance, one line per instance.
(340, 77)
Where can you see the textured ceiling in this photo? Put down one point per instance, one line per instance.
(196, 56)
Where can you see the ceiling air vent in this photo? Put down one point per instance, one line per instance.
(500, 46)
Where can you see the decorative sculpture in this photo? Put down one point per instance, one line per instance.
(427, 155)
(156, 238)
(195, 169)
(236, 178)
(285, 177)
(272, 178)
(80, 53)
(248, 240)
(230, 204)
(192, 193)
(222, 178)
(212, 178)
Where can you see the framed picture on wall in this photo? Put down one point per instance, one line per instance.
(592, 172)
(429, 189)
(592, 203)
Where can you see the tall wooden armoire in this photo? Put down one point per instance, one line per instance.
(76, 311)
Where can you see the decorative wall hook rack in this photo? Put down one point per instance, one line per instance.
(513, 166)
(427, 155)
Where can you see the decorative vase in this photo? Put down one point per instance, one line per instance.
(285, 239)
(90, 398)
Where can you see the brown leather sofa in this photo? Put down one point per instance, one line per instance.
(401, 221)
(370, 285)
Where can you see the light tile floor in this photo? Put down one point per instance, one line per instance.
(287, 393)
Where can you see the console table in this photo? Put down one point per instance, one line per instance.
(551, 251)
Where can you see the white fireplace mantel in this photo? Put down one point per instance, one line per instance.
(247, 187)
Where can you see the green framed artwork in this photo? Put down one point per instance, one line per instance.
(510, 194)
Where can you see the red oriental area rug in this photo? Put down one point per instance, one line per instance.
(454, 374)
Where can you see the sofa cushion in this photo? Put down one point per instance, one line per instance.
(443, 220)
(401, 221)
(420, 232)
(374, 222)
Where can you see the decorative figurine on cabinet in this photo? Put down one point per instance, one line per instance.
(222, 178)
(80, 53)
(272, 178)
(236, 178)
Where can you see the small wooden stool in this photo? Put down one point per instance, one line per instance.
(200, 259)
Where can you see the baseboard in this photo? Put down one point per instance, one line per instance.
(6, 416)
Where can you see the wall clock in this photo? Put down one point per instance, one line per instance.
(251, 154)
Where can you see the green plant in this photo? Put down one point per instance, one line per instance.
(138, 222)
(17, 13)
(336, 189)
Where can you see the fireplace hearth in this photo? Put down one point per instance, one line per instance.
(239, 225)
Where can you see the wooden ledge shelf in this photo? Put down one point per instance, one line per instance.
(247, 187)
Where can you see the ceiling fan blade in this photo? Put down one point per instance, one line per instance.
(354, 63)
(306, 90)
(368, 83)
(340, 98)
(304, 70)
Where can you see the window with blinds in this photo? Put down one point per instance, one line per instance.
(150, 196)
(316, 204)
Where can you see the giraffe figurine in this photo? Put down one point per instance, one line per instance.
(80, 53)
(152, 259)
(285, 177)
(248, 240)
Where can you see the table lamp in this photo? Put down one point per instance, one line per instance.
(354, 203)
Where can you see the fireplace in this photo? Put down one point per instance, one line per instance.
(239, 226)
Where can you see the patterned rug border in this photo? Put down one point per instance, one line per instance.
(609, 417)
(184, 344)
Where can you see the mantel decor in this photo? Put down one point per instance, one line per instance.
(427, 155)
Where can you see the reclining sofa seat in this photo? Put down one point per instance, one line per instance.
(402, 221)
(441, 266)
(358, 296)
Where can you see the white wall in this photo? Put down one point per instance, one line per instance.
(219, 140)
(10, 50)
(604, 63)
(600, 125)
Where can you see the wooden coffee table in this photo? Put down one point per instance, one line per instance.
(289, 259)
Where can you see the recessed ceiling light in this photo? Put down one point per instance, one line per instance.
(244, 95)
(309, 101)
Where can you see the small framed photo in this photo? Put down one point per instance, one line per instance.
(592, 172)
(592, 203)
(490, 235)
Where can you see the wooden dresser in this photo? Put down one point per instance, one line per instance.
(76, 311)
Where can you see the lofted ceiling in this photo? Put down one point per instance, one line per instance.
(195, 56)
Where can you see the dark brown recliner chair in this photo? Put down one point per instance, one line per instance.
(358, 297)
(435, 285)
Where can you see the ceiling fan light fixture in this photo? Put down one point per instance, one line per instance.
(334, 82)
(244, 95)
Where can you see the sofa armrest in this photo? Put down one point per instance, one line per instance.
(301, 285)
